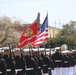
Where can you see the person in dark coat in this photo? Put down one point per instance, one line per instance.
(31, 68)
(41, 64)
(2, 66)
(51, 65)
(46, 65)
(75, 60)
(58, 60)
(66, 64)
(72, 63)
(10, 62)
(20, 63)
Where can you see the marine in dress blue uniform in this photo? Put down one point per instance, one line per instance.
(2, 65)
(46, 65)
(9, 61)
(20, 63)
(67, 63)
(58, 60)
(31, 68)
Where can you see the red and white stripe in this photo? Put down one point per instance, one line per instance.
(41, 38)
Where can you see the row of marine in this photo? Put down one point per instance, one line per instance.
(19, 61)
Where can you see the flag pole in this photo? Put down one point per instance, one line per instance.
(10, 50)
(21, 51)
(38, 50)
(44, 48)
(29, 48)
(45, 41)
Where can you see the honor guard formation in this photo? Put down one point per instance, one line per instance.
(36, 62)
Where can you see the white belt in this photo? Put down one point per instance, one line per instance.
(29, 68)
(8, 70)
(44, 65)
(45, 73)
(39, 67)
(58, 60)
(49, 68)
(65, 61)
(18, 70)
(0, 72)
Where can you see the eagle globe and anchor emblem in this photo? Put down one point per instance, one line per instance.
(28, 32)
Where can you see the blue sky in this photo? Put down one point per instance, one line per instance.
(62, 11)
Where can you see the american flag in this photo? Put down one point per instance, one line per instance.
(42, 34)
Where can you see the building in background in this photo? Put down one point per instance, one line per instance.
(53, 31)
